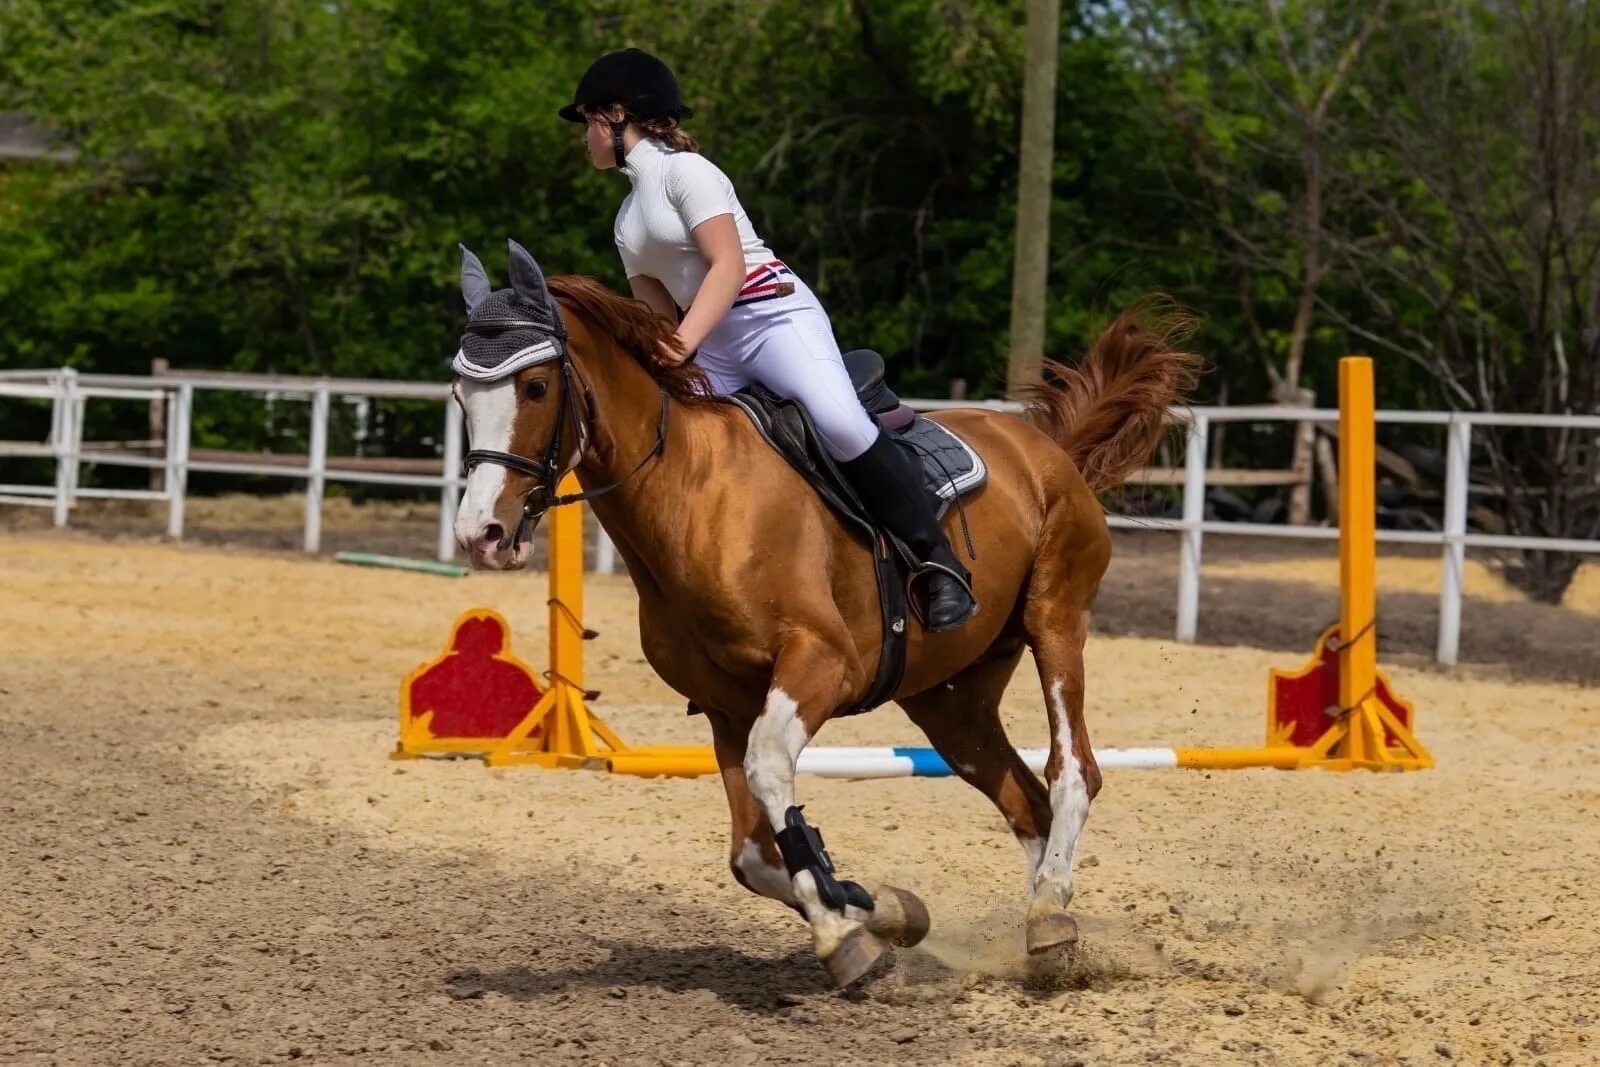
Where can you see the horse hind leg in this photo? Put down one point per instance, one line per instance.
(961, 718)
(1057, 620)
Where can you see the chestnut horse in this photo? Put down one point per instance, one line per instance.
(757, 605)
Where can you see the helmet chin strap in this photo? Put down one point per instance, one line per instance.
(617, 129)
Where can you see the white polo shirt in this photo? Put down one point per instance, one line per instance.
(673, 192)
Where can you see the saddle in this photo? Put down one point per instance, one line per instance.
(950, 469)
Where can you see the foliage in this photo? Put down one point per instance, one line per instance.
(276, 185)
(266, 184)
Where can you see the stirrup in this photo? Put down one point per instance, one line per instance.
(919, 609)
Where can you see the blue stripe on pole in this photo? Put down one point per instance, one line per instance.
(925, 762)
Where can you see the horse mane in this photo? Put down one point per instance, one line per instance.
(637, 329)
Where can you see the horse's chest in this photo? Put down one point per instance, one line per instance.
(702, 657)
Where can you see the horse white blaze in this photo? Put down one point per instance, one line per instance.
(491, 411)
(1069, 810)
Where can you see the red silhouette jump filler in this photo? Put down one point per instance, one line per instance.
(1302, 704)
(474, 691)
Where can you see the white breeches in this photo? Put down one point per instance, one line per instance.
(786, 344)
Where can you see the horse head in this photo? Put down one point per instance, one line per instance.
(525, 418)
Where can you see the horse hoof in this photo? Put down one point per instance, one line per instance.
(898, 917)
(853, 958)
(1050, 927)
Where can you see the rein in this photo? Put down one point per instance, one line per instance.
(657, 449)
(547, 471)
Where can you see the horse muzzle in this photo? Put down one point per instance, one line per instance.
(490, 548)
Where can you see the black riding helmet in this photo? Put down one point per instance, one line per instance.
(641, 83)
(637, 80)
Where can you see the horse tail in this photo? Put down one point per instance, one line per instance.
(1109, 411)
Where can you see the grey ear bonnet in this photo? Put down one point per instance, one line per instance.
(507, 333)
(507, 329)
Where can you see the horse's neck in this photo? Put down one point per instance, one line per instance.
(643, 514)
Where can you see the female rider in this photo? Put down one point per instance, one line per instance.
(686, 243)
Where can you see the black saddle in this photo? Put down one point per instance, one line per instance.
(870, 377)
(950, 469)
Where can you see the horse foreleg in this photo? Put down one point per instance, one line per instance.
(808, 685)
(897, 916)
(754, 858)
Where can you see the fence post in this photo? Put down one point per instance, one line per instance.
(1458, 455)
(160, 418)
(1194, 513)
(318, 465)
(80, 414)
(56, 410)
(178, 423)
(450, 493)
(66, 443)
(605, 552)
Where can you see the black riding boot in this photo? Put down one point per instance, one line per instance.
(891, 487)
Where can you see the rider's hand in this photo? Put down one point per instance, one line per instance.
(673, 352)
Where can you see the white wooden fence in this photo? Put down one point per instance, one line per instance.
(70, 392)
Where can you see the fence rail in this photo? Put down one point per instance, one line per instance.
(69, 392)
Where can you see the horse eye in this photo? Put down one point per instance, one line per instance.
(536, 389)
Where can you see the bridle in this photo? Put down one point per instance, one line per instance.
(547, 471)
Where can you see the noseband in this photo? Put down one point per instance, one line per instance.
(546, 472)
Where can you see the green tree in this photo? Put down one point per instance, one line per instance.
(1479, 262)
(273, 185)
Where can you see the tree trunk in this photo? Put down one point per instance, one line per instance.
(1301, 463)
(1031, 264)
(1328, 468)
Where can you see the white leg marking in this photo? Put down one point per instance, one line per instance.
(763, 877)
(1033, 848)
(491, 409)
(1069, 809)
(828, 927)
(775, 743)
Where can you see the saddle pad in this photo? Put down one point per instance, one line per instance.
(950, 466)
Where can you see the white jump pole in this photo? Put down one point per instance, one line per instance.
(926, 763)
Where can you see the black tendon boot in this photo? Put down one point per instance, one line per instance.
(891, 488)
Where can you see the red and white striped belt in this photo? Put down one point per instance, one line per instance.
(766, 282)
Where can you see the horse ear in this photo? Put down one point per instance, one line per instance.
(474, 279)
(526, 277)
